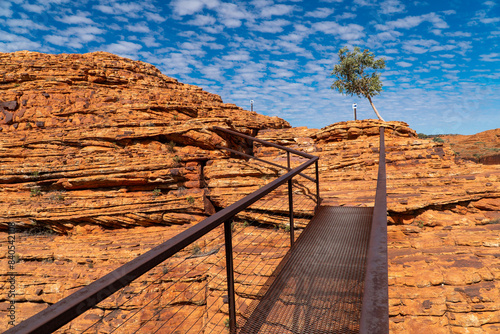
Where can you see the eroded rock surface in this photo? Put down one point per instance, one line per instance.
(483, 147)
(99, 139)
(116, 158)
(443, 214)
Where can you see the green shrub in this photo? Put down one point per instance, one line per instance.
(170, 146)
(35, 191)
(190, 199)
(157, 192)
(438, 140)
(422, 136)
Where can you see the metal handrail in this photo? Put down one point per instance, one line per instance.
(375, 309)
(67, 309)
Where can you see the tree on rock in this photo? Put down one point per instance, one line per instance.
(352, 78)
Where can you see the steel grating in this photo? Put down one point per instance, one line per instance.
(320, 287)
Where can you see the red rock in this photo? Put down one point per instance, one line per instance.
(121, 158)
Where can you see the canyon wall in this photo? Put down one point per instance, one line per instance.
(102, 158)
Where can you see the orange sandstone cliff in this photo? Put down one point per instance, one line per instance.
(102, 158)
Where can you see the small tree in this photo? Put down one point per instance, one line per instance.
(351, 76)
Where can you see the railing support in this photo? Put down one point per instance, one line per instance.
(67, 309)
(290, 209)
(290, 202)
(317, 187)
(230, 274)
(375, 309)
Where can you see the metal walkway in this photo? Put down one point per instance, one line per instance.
(320, 287)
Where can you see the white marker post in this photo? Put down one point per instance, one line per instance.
(251, 105)
(354, 106)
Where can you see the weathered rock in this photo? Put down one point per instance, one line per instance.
(444, 218)
(483, 147)
(100, 139)
(121, 158)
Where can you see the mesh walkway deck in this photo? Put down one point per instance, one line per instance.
(320, 288)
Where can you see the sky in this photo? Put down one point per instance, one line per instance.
(442, 58)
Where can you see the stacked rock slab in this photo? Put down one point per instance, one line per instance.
(99, 139)
(116, 157)
(443, 214)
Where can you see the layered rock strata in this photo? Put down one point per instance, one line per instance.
(99, 139)
(483, 147)
(443, 214)
(103, 158)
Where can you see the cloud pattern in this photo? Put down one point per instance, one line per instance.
(443, 64)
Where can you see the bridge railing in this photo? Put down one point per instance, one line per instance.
(188, 283)
(375, 309)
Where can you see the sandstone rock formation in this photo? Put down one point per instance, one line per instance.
(443, 214)
(103, 158)
(98, 139)
(483, 147)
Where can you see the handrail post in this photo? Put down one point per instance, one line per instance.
(290, 202)
(375, 309)
(230, 274)
(317, 186)
(290, 208)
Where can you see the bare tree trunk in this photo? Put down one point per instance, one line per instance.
(375, 109)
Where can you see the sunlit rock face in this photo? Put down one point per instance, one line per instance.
(103, 158)
(99, 139)
(443, 214)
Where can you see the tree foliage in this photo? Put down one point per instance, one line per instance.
(357, 74)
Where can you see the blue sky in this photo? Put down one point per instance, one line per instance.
(442, 70)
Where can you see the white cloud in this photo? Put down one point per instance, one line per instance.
(127, 9)
(24, 23)
(33, 8)
(488, 20)
(490, 57)
(481, 16)
(150, 42)
(237, 56)
(155, 17)
(231, 15)
(175, 63)
(80, 18)
(404, 64)
(320, 13)
(414, 21)
(387, 36)
(419, 46)
(261, 3)
(11, 42)
(293, 48)
(75, 37)
(59, 40)
(458, 34)
(275, 26)
(391, 7)
(190, 7)
(5, 9)
(141, 27)
(123, 48)
(276, 10)
(202, 20)
(213, 72)
(282, 73)
(350, 32)
(365, 2)
(346, 16)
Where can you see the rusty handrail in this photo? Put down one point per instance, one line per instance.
(375, 309)
(67, 309)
